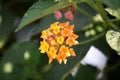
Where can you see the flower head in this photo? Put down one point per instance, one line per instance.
(69, 15)
(58, 14)
(57, 41)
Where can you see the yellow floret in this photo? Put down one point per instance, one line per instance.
(56, 29)
(60, 39)
(44, 47)
(54, 24)
(44, 34)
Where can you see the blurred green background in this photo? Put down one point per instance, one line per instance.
(20, 58)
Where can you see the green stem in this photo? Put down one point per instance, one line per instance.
(92, 5)
(92, 39)
(102, 12)
(104, 15)
(83, 11)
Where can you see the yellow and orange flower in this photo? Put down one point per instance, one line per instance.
(57, 41)
(44, 47)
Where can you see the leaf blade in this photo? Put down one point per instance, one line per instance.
(113, 39)
(39, 10)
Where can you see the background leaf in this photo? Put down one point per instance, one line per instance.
(20, 60)
(7, 25)
(86, 72)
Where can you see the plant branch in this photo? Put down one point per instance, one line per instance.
(92, 39)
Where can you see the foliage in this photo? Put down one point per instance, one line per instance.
(97, 22)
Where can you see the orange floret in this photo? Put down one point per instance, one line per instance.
(63, 25)
(72, 53)
(70, 27)
(70, 41)
(51, 54)
(65, 32)
(74, 36)
(61, 57)
(64, 49)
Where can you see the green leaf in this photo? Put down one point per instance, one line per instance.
(20, 60)
(114, 5)
(86, 72)
(113, 12)
(41, 9)
(113, 39)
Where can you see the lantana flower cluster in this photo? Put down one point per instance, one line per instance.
(57, 42)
